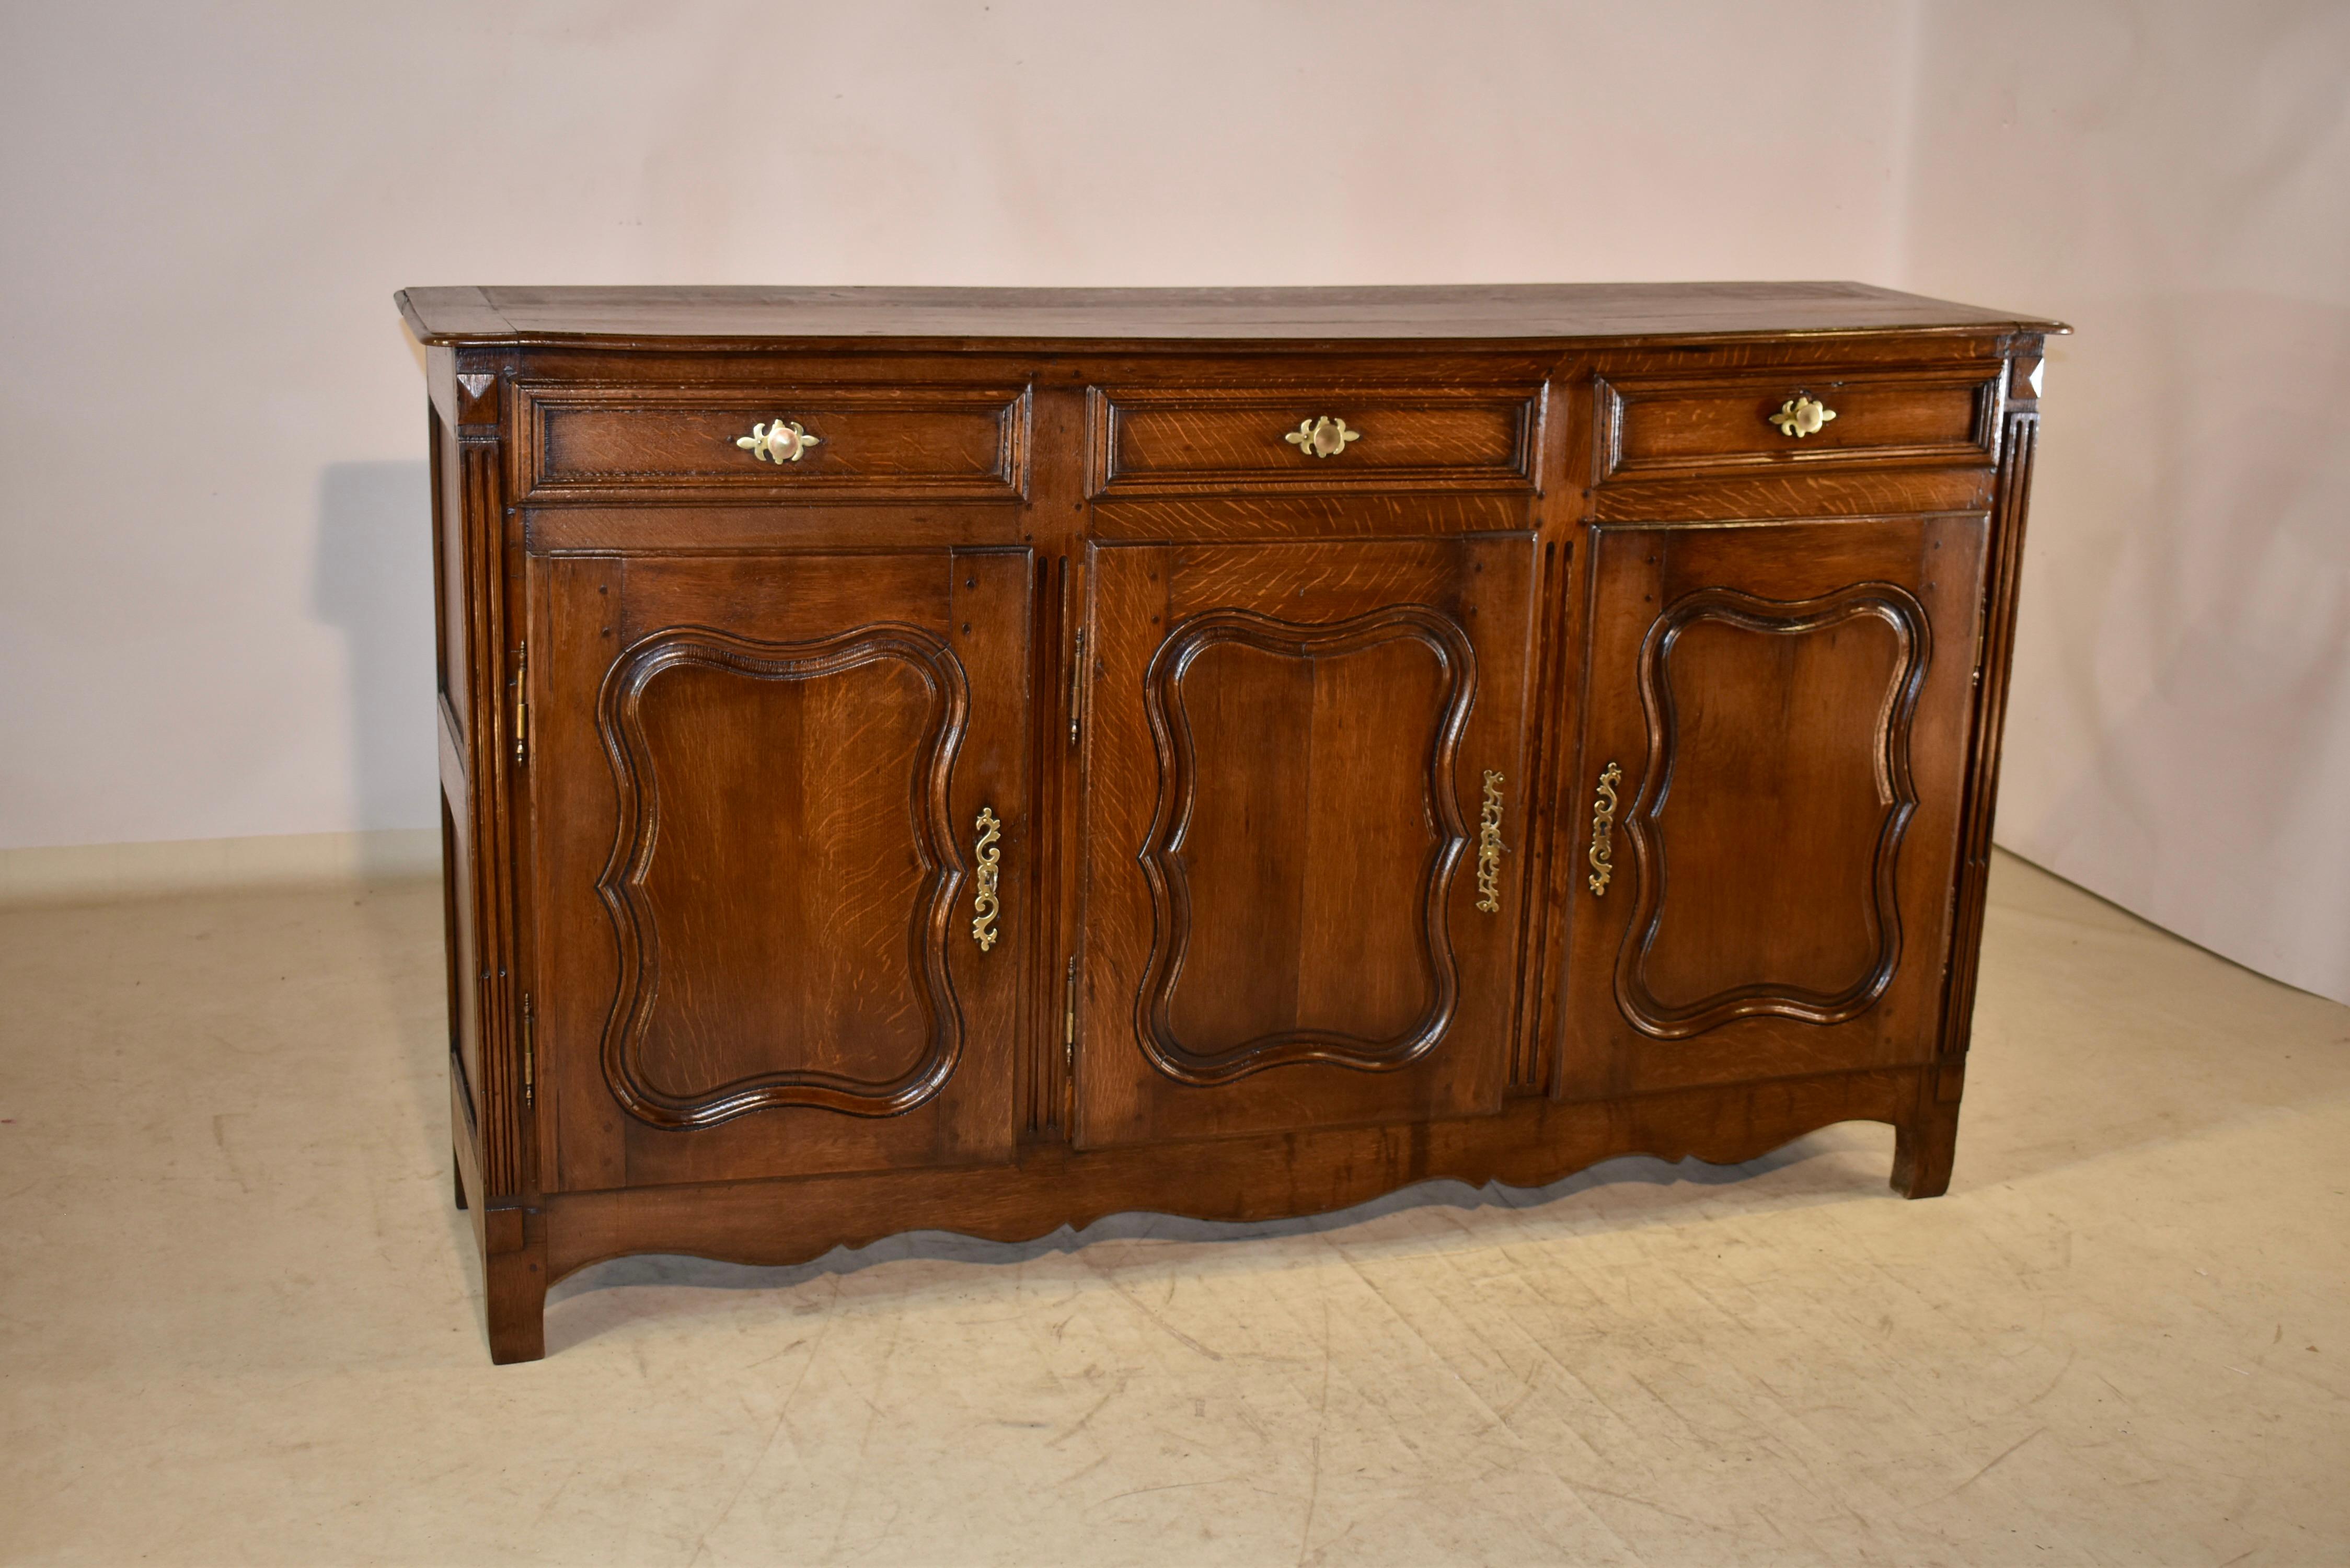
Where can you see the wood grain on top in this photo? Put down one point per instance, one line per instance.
(1490, 311)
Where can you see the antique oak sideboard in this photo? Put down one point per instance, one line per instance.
(988, 759)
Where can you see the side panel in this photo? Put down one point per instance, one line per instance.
(474, 666)
(451, 677)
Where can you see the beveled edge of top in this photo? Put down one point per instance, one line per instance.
(1008, 317)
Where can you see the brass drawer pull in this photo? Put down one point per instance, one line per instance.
(1325, 436)
(778, 440)
(1603, 829)
(985, 903)
(1490, 846)
(1800, 416)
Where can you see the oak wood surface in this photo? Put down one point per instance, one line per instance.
(716, 732)
(1241, 441)
(1309, 1171)
(1788, 705)
(1450, 311)
(1284, 755)
(756, 888)
(1680, 423)
(894, 442)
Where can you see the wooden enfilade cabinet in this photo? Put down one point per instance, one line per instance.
(985, 760)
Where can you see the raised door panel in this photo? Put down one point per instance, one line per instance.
(767, 789)
(1776, 723)
(1299, 799)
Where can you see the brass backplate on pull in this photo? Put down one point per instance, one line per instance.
(1800, 416)
(778, 440)
(1325, 436)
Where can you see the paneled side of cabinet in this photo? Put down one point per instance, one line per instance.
(478, 664)
(1925, 1143)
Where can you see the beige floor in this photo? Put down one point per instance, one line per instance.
(237, 1323)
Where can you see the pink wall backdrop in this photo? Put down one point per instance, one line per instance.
(2174, 180)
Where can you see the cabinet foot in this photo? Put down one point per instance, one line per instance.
(1924, 1150)
(515, 1298)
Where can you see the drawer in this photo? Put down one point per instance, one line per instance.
(1758, 419)
(1158, 441)
(877, 443)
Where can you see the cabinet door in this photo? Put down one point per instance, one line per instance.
(1302, 761)
(1775, 721)
(759, 785)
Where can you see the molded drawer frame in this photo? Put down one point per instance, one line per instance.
(895, 457)
(1500, 423)
(1918, 397)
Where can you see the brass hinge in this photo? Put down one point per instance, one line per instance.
(1078, 686)
(1069, 1016)
(522, 705)
(529, 1089)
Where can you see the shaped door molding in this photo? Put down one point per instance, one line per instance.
(1890, 746)
(1179, 775)
(620, 724)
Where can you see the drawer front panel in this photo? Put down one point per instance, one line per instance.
(1678, 425)
(1176, 442)
(861, 442)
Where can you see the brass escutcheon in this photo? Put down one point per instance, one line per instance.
(1490, 846)
(984, 904)
(1603, 828)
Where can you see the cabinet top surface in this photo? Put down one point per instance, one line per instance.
(1497, 312)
